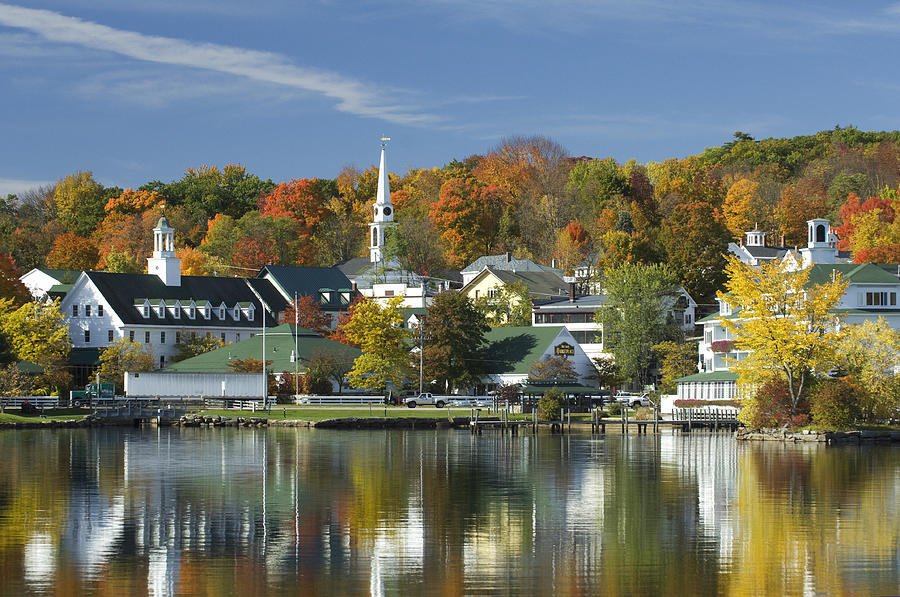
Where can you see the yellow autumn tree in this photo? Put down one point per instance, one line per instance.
(377, 329)
(743, 207)
(784, 322)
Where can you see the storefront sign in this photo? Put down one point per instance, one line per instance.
(564, 349)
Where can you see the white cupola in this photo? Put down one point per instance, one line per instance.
(164, 263)
(821, 243)
(383, 211)
(756, 238)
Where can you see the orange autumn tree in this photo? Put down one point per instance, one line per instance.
(302, 200)
(71, 251)
(130, 201)
(800, 202)
(467, 216)
(572, 245)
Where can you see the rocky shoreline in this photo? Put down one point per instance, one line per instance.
(812, 436)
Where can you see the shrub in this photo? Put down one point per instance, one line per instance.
(615, 409)
(835, 404)
(550, 404)
(643, 413)
(771, 407)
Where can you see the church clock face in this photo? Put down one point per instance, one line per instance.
(386, 211)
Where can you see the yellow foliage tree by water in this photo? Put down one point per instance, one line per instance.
(784, 323)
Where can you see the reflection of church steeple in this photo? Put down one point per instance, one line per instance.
(383, 216)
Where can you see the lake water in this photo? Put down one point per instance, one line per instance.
(287, 512)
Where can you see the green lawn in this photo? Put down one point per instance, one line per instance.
(12, 415)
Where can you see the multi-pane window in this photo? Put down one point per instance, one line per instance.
(177, 337)
(87, 310)
(146, 310)
(162, 337)
(87, 336)
(74, 310)
(131, 335)
(109, 335)
(162, 361)
(237, 337)
(99, 310)
(146, 337)
(223, 337)
(881, 299)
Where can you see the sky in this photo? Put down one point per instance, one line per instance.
(141, 90)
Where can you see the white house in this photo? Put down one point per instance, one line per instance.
(161, 307)
(872, 292)
(42, 282)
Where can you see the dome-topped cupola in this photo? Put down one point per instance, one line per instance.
(163, 263)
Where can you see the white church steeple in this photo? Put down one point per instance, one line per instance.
(383, 216)
(164, 263)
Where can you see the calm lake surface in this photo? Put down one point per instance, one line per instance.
(288, 512)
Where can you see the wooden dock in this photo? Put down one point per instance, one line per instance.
(684, 420)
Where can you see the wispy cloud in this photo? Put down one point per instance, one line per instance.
(351, 96)
(13, 186)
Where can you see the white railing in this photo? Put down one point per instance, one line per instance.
(338, 400)
(36, 401)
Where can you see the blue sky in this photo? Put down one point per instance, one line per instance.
(141, 90)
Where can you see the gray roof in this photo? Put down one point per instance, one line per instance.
(543, 283)
(508, 263)
(587, 302)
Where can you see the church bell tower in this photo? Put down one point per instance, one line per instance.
(164, 263)
(383, 211)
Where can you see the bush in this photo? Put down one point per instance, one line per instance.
(835, 404)
(643, 413)
(771, 407)
(550, 405)
(615, 409)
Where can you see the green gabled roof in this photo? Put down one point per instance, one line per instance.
(279, 344)
(564, 387)
(855, 273)
(513, 350)
(710, 376)
(139, 301)
(65, 276)
(202, 303)
(60, 289)
(244, 305)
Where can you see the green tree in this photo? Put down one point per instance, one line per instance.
(377, 330)
(454, 345)
(609, 374)
(416, 245)
(550, 405)
(510, 306)
(119, 357)
(785, 324)
(14, 382)
(80, 202)
(192, 345)
(553, 368)
(634, 316)
(676, 359)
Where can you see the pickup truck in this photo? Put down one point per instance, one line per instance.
(635, 400)
(427, 398)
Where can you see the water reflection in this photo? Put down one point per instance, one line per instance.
(203, 512)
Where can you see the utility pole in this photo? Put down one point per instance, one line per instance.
(262, 318)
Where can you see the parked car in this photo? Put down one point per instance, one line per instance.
(472, 401)
(633, 400)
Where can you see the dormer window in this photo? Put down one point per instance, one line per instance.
(251, 313)
(190, 311)
(161, 309)
(207, 312)
(345, 298)
(176, 312)
(236, 313)
(222, 312)
(324, 296)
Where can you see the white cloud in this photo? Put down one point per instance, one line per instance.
(13, 186)
(352, 96)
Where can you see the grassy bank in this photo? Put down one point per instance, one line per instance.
(13, 415)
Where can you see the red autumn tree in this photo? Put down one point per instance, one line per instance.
(338, 334)
(855, 206)
(71, 251)
(11, 286)
(302, 199)
(253, 252)
(307, 315)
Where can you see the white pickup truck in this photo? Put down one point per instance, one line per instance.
(634, 400)
(427, 398)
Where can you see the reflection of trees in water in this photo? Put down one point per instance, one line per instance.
(816, 519)
(227, 511)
